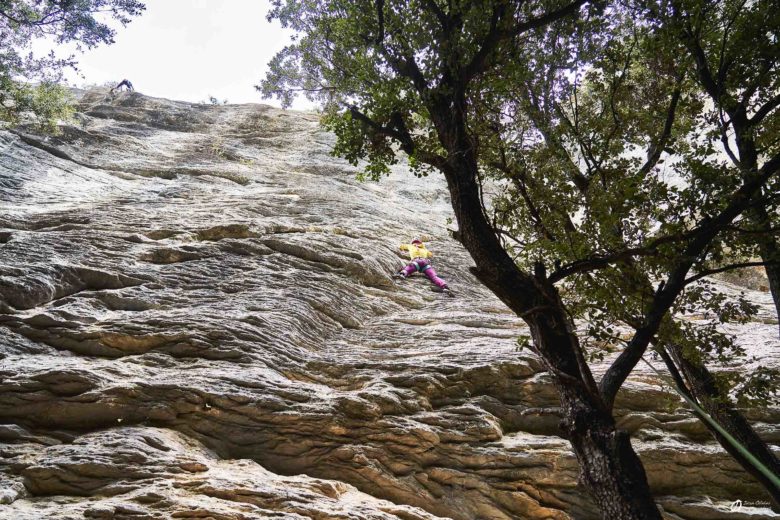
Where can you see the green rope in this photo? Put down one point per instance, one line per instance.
(757, 464)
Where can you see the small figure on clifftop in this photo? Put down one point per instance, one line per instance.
(420, 262)
(124, 83)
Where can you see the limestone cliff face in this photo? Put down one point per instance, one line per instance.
(197, 320)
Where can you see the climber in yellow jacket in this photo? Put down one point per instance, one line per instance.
(420, 262)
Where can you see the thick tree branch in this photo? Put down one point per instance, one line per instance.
(599, 262)
(724, 62)
(404, 64)
(440, 15)
(730, 267)
(547, 19)
(706, 78)
(493, 38)
(764, 111)
(676, 376)
(397, 130)
(751, 89)
(736, 110)
(380, 18)
(496, 34)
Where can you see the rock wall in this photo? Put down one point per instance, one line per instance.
(197, 320)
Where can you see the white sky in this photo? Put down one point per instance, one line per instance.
(189, 50)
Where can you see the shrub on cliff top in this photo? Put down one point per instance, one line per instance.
(28, 84)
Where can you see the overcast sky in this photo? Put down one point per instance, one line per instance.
(189, 50)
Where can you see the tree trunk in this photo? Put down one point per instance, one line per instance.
(770, 254)
(610, 469)
(773, 273)
(704, 389)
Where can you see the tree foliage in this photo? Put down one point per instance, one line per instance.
(29, 83)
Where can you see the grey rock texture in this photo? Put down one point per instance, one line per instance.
(197, 320)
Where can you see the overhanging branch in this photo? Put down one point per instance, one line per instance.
(730, 267)
(398, 131)
(496, 34)
(654, 153)
(599, 262)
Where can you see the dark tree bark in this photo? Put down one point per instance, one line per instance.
(770, 255)
(610, 469)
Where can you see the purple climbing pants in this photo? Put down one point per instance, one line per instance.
(424, 266)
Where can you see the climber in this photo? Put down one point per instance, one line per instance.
(419, 257)
(124, 83)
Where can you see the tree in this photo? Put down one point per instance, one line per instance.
(585, 200)
(29, 84)
(635, 90)
(734, 49)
